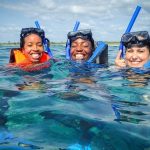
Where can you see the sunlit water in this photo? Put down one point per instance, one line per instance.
(71, 104)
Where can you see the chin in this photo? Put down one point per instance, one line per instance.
(35, 61)
(136, 66)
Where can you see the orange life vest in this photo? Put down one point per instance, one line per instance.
(18, 57)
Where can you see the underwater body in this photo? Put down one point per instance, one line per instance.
(73, 106)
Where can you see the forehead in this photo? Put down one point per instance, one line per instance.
(32, 36)
(80, 40)
(139, 48)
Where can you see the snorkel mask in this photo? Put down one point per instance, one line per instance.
(83, 34)
(27, 31)
(140, 38)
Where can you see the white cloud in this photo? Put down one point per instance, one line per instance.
(77, 9)
(47, 4)
(85, 25)
(109, 17)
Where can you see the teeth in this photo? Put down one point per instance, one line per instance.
(79, 57)
(135, 62)
(35, 56)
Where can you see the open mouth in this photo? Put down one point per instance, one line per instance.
(36, 55)
(79, 56)
(135, 62)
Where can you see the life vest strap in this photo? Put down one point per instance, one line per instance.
(16, 56)
(12, 55)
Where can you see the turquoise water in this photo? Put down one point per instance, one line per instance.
(71, 104)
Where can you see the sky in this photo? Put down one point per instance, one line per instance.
(108, 19)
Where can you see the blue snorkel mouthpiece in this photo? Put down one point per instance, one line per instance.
(101, 46)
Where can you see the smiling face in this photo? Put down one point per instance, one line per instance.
(137, 56)
(81, 49)
(33, 48)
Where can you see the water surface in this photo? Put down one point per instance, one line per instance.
(68, 104)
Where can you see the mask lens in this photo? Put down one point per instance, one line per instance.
(87, 34)
(27, 31)
(141, 37)
(126, 38)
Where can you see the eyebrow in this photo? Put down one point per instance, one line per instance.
(88, 42)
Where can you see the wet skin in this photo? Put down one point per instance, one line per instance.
(33, 48)
(137, 56)
(81, 49)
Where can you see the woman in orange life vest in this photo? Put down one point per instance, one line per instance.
(31, 52)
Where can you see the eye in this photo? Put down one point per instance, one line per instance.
(85, 44)
(40, 44)
(73, 45)
(142, 50)
(29, 45)
(129, 51)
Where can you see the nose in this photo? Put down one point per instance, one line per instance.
(79, 48)
(134, 56)
(35, 47)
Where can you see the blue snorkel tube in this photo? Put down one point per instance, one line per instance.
(121, 47)
(101, 46)
(130, 25)
(45, 41)
(68, 41)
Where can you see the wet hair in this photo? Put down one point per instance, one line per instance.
(85, 34)
(91, 40)
(138, 45)
(136, 39)
(28, 31)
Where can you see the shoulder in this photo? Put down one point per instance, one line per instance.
(13, 52)
(45, 57)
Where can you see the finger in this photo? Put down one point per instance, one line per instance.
(119, 55)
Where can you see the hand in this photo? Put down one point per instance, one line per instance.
(119, 61)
